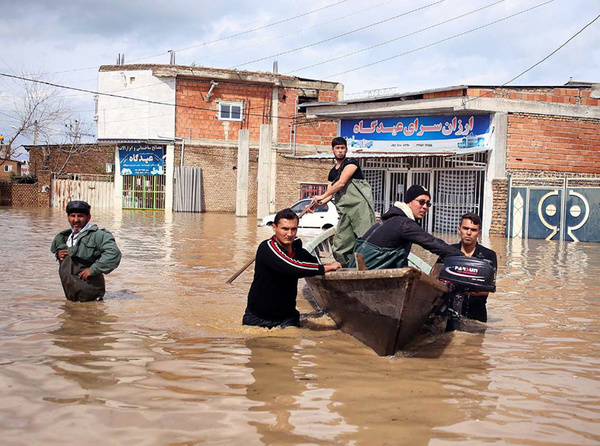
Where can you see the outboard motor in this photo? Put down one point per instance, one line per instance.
(464, 275)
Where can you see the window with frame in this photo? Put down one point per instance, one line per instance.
(231, 111)
(308, 190)
(7, 168)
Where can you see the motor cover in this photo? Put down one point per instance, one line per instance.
(469, 274)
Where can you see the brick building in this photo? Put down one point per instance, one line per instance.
(203, 117)
(474, 146)
(9, 169)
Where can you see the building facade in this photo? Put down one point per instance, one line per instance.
(470, 145)
(167, 120)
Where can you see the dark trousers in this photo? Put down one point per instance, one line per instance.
(250, 319)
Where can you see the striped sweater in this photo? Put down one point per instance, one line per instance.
(272, 295)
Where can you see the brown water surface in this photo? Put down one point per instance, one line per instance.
(164, 359)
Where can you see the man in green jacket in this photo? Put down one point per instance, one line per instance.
(85, 254)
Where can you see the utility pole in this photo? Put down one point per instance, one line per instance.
(35, 132)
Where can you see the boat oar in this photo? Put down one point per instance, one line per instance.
(251, 261)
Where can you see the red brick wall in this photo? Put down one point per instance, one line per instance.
(562, 95)
(197, 118)
(23, 195)
(91, 160)
(561, 144)
(500, 202)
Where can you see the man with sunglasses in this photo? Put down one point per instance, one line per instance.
(387, 244)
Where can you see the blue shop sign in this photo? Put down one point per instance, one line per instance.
(422, 132)
(141, 159)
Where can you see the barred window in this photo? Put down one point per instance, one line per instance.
(308, 190)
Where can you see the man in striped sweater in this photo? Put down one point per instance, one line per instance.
(280, 262)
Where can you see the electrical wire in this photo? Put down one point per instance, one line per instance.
(466, 101)
(395, 39)
(340, 35)
(439, 41)
(147, 101)
(241, 33)
(285, 36)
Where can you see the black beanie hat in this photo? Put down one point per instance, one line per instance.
(414, 191)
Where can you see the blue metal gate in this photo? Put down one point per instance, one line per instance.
(554, 209)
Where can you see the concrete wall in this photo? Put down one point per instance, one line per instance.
(120, 118)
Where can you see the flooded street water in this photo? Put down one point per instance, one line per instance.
(164, 359)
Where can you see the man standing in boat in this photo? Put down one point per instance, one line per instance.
(353, 200)
(280, 262)
(387, 244)
(85, 253)
(469, 229)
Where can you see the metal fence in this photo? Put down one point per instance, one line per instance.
(144, 192)
(99, 194)
(456, 184)
(188, 190)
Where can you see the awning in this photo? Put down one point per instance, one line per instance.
(399, 153)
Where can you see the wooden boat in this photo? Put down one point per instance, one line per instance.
(385, 308)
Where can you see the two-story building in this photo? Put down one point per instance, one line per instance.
(167, 120)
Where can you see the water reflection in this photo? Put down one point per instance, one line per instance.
(287, 388)
(86, 337)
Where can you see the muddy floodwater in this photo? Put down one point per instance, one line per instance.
(164, 359)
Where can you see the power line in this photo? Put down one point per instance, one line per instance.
(552, 53)
(439, 41)
(241, 33)
(147, 101)
(465, 101)
(284, 36)
(395, 39)
(341, 35)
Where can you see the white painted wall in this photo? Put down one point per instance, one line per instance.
(119, 118)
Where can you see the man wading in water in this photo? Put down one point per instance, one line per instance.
(353, 200)
(85, 254)
(280, 262)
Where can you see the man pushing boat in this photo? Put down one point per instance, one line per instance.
(387, 244)
(280, 262)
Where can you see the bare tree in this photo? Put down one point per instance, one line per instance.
(35, 114)
(58, 152)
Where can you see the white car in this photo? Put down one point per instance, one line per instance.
(325, 216)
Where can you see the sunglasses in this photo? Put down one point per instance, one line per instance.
(424, 202)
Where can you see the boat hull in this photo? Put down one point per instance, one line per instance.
(384, 309)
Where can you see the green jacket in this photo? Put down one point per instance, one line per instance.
(95, 247)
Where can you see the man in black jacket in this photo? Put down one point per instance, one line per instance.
(280, 262)
(387, 244)
(469, 228)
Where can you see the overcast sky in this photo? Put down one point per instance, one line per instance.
(69, 40)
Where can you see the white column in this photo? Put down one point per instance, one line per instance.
(169, 173)
(264, 171)
(243, 162)
(274, 145)
(496, 167)
(118, 182)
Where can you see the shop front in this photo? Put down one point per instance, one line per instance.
(448, 155)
